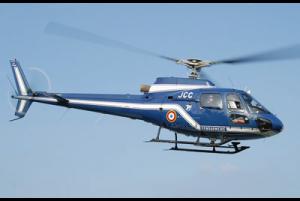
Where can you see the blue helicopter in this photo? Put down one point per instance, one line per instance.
(192, 106)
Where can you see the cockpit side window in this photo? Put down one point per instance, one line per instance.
(211, 101)
(234, 103)
(254, 105)
(236, 108)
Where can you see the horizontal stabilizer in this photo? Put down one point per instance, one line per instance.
(52, 95)
(60, 99)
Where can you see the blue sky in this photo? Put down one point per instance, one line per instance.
(57, 153)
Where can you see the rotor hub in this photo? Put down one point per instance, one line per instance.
(195, 65)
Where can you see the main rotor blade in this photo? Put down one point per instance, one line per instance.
(290, 52)
(78, 34)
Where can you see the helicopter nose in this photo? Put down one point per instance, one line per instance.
(277, 125)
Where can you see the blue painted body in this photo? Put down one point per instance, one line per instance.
(206, 117)
(188, 106)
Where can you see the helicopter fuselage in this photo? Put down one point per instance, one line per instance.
(205, 111)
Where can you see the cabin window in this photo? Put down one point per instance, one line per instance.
(254, 105)
(234, 102)
(239, 119)
(212, 101)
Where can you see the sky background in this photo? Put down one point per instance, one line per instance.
(55, 152)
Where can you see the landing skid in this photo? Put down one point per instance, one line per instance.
(191, 143)
(232, 148)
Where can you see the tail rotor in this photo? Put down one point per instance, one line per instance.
(39, 79)
(12, 92)
(23, 91)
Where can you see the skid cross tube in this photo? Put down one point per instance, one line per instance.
(158, 133)
(176, 147)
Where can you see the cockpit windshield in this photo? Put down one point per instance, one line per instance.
(253, 104)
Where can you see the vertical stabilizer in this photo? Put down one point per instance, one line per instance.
(23, 89)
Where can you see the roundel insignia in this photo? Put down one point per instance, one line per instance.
(171, 116)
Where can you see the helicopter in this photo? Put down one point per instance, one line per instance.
(192, 106)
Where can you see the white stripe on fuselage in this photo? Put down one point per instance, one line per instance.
(145, 106)
(141, 106)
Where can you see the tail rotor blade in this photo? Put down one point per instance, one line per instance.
(39, 79)
(11, 102)
(11, 85)
(11, 92)
(63, 114)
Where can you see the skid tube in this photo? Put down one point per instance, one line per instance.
(231, 149)
(236, 149)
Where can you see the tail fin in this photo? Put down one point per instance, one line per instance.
(23, 89)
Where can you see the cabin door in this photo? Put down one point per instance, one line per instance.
(210, 110)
